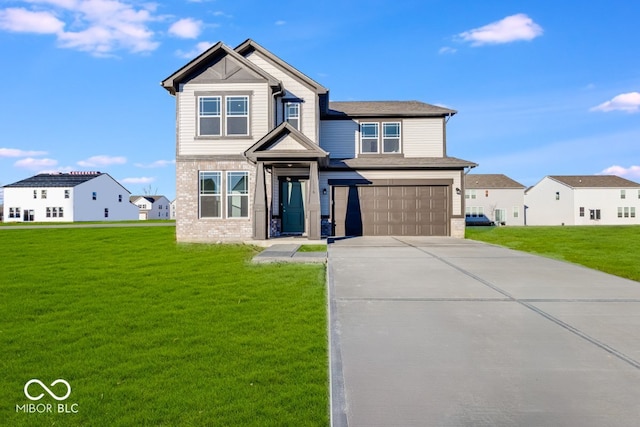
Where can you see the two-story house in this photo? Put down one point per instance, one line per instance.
(583, 200)
(262, 152)
(68, 197)
(152, 207)
(497, 196)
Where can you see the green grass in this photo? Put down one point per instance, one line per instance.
(131, 221)
(612, 249)
(149, 332)
(312, 248)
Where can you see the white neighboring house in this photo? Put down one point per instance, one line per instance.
(173, 210)
(68, 197)
(497, 196)
(583, 200)
(152, 207)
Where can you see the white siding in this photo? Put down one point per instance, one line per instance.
(608, 201)
(187, 106)
(423, 137)
(294, 89)
(339, 138)
(107, 191)
(22, 197)
(491, 199)
(544, 209)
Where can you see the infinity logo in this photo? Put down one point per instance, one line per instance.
(52, 394)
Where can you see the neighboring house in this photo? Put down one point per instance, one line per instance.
(497, 196)
(261, 152)
(583, 200)
(152, 207)
(173, 209)
(67, 197)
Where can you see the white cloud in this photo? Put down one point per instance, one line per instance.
(197, 50)
(509, 29)
(629, 102)
(447, 50)
(14, 152)
(102, 161)
(99, 27)
(35, 164)
(630, 172)
(140, 180)
(186, 28)
(280, 22)
(20, 20)
(156, 164)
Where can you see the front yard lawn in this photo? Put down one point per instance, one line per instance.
(612, 249)
(150, 332)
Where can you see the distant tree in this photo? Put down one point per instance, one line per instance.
(150, 191)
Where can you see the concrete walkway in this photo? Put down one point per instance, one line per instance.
(449, 332)
(288, 253)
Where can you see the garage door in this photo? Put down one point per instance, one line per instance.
(376, 210)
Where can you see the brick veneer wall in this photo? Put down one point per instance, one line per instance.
(191, 228)
(457, 227)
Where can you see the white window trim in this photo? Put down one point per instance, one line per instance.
(219, 194)
(227, 195)
(287, 104)
(380, 137)
(222, 96)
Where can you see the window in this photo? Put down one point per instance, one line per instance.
(48, 213)
(237, 194)
(55, 212)
(632, 212)
(43, 194)
(594, 214)
(60, 213)
(106, 212)
(120, 198)
(210, 195)
(35, 194)
(391, 137)
(209, 116)
(66, 194)
(619, 212)
(469, 194)
(582, 211)
(474, 210)
(14, 212)
(623, 194)
(370, 138)
(292, 114)
(557, 195)
(237, 115)
(516, 212)
(94, 195)
(486, 193)
(626, 212)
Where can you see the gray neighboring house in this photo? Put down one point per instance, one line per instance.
(583, 200)
(262, 152)
(497, 196)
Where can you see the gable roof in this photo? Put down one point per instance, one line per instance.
(304, 148)
(250, 45)
(482, 181)
(201, 61)
(151, 199)
(385, 109)
(594, 181)
(44, 180)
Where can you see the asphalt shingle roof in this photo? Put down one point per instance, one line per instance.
(56, 179)
(386, 109)
(390, 162)
(595, 181)
(482, 181)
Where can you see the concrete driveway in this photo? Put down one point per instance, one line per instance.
(449, 332)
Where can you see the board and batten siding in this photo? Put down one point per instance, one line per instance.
(338, 137)
(423, 137)
(189, 144)
(294, 89)
(325, 176)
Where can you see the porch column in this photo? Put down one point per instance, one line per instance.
(260, 205)
(313, 203)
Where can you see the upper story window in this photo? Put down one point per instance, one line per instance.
(376, 138)
(35, 194)
(223, 115)
(292, 114)
(237, 115)
(469, 194)
(66, 194)
(623, 194)
(94, 196)
(43, 194)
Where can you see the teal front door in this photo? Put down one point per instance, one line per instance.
(292, 194)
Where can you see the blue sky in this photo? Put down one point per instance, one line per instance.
(541, 87)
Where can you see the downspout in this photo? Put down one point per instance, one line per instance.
(276, 94)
